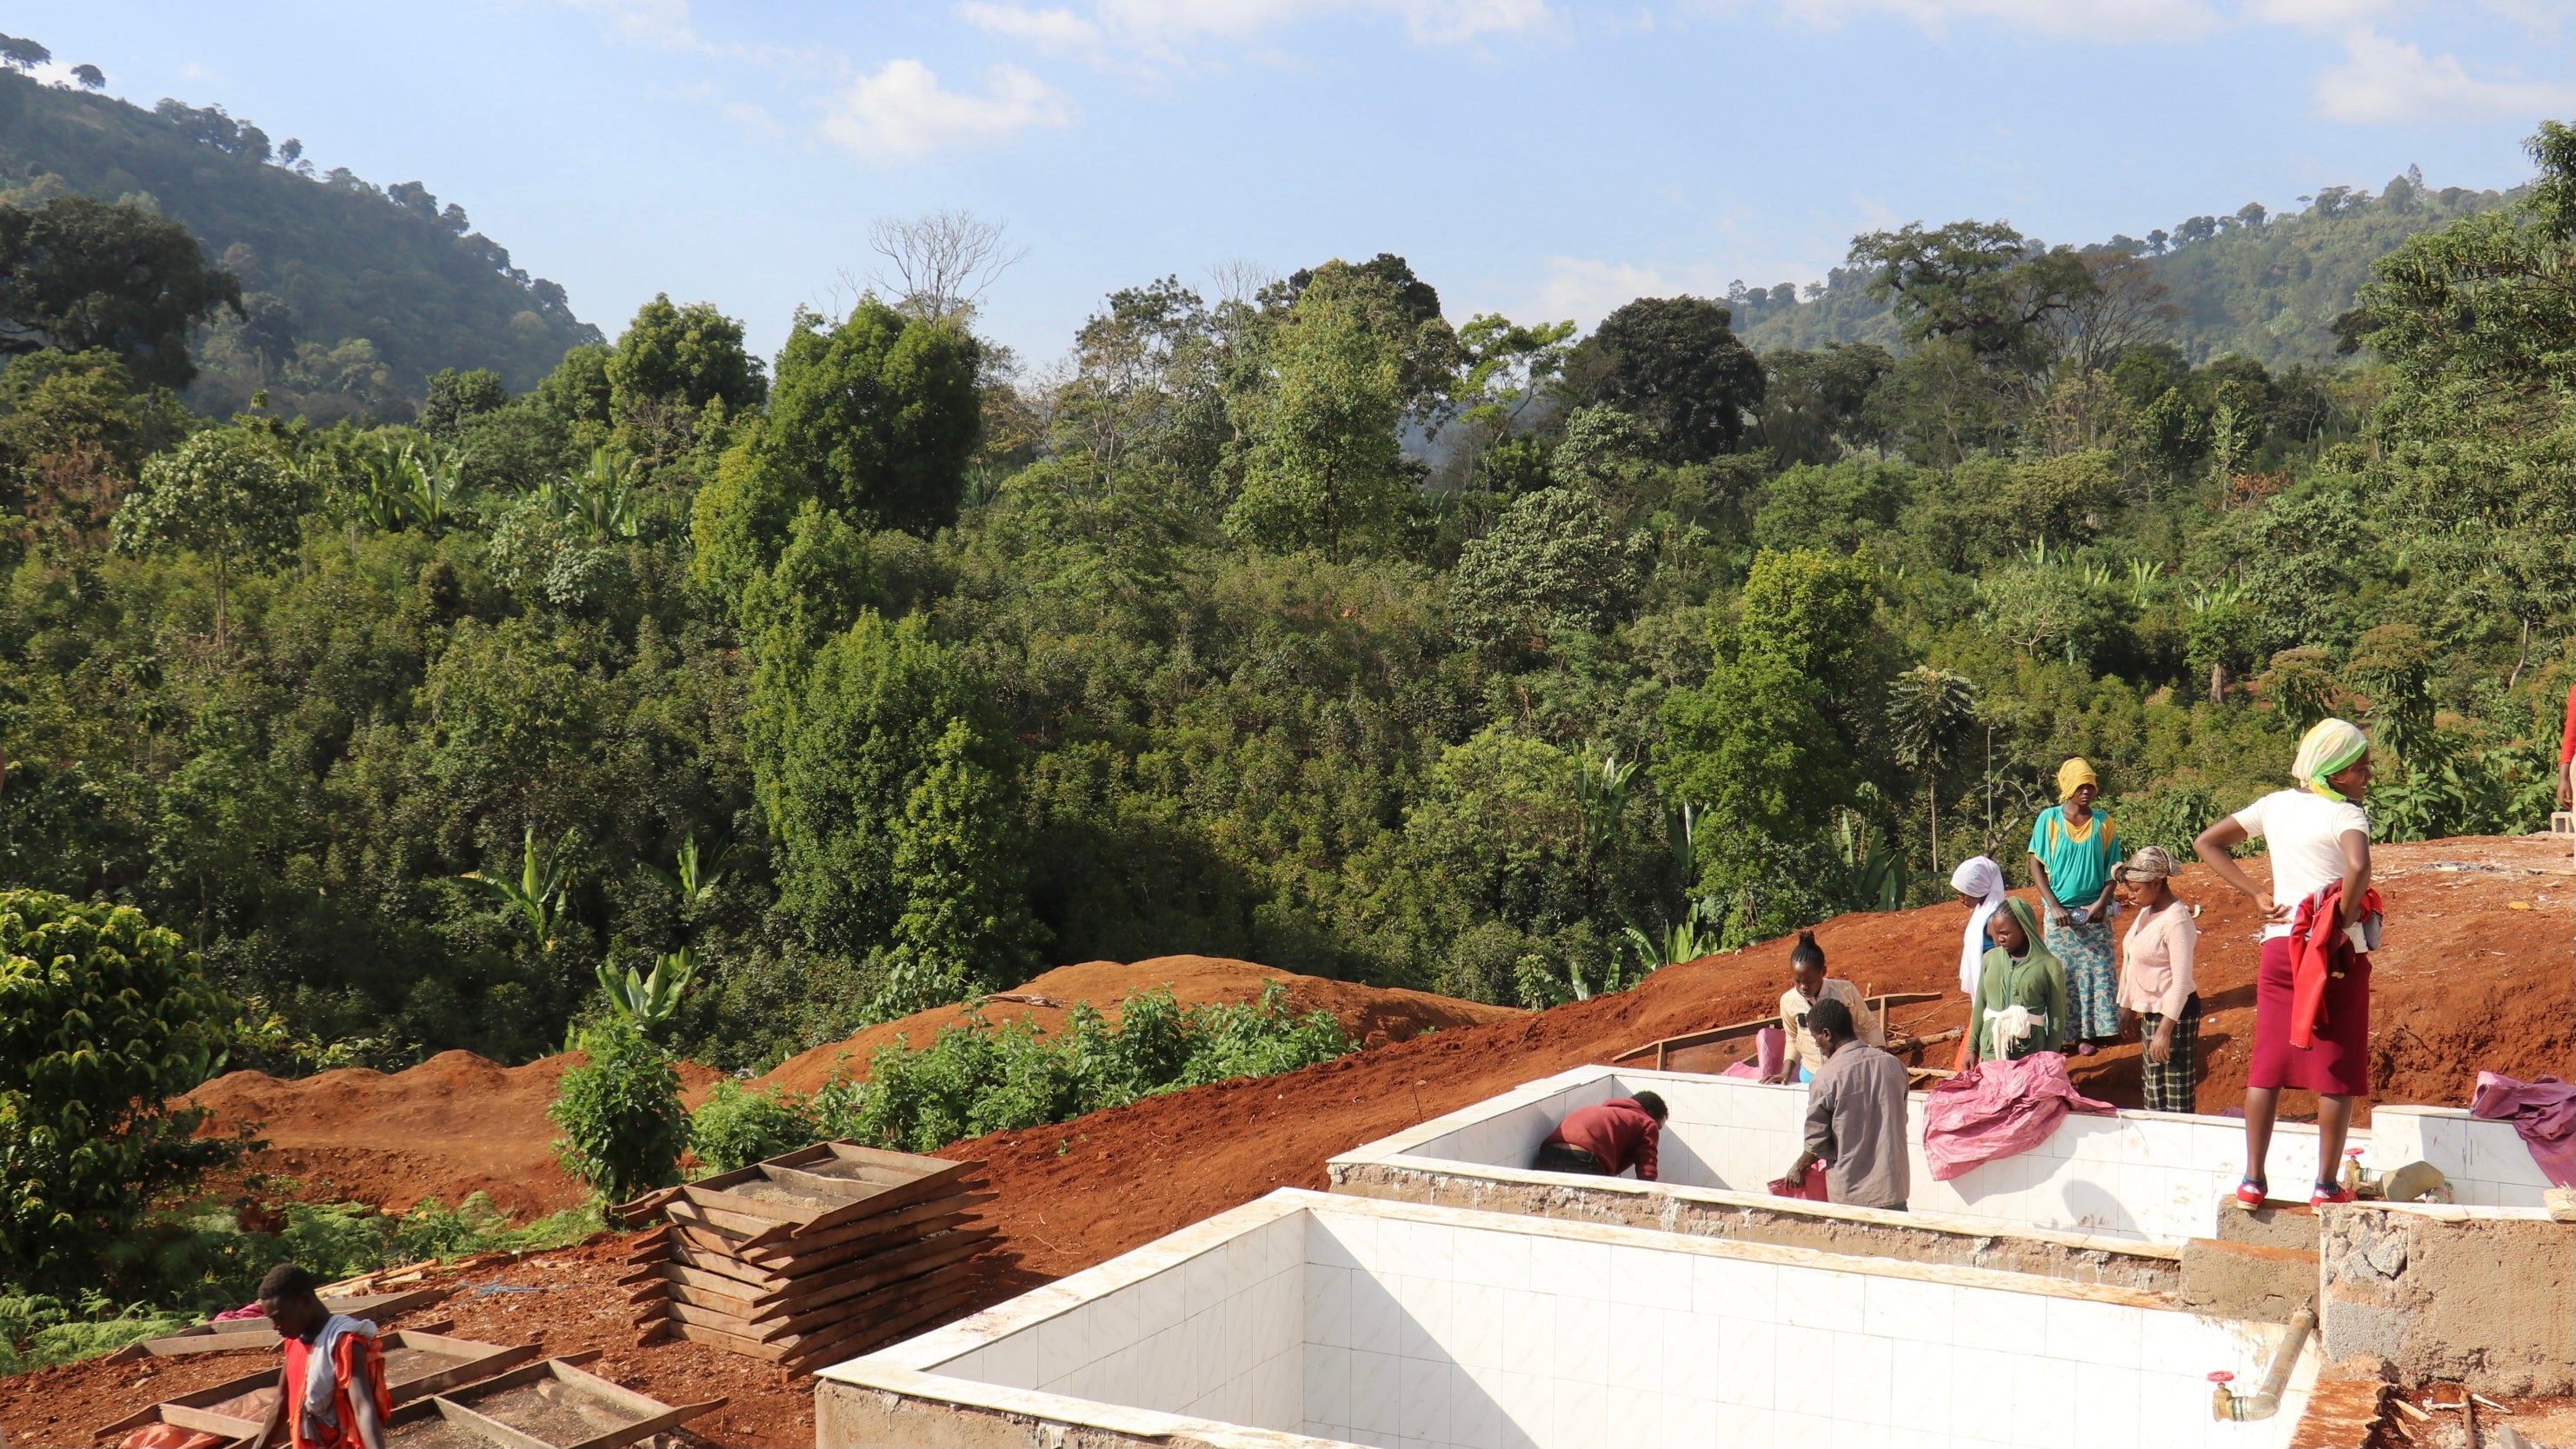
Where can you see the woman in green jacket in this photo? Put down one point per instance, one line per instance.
(2021, 990)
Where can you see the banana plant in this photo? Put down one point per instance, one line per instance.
(1600, 799)
(433, 487)
(599, 501)
(694, 880)
(1879, 877)
(649, 1000)
(1693, 936)
(539, 897)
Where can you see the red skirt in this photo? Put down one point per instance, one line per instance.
(2339, 1064)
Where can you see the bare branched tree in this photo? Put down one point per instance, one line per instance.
(943, 262)
(2126, 308)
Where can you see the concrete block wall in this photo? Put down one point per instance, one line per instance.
(1432, 1327)
(2422, 1292)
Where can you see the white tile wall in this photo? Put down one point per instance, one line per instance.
(2144, 1176)
(2487, 1163)
(1395, 1324)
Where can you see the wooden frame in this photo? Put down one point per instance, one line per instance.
(647, 1416)
(1665, 1051)
(472, 1360)
(243, 1333)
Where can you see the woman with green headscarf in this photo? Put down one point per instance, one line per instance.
(2318, 836)
(2020, 1005)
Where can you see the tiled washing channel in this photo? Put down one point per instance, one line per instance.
(1307, 1318)
(2118, 1184)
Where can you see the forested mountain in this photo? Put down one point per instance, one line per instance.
(352, 294)
(2250, 283)
(878, 677)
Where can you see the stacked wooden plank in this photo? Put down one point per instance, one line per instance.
(809, 1258)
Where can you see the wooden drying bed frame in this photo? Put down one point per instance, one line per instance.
(241, 1333)
(825, 1252)
(644, 1416)
(1667, 1055)
(465, 1362)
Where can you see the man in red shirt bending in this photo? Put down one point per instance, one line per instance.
(2567, 755)
(1608, 1139)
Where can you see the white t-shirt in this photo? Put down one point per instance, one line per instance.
(2305, 831)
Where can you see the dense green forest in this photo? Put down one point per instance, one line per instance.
(874, 676)
(352, 295)
(2248, 284)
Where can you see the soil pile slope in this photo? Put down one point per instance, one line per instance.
(1372, 1015)
(456, 1124)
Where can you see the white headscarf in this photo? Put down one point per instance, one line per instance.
(1980, 877)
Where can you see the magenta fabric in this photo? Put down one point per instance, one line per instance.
(2544, 1112)
(2339, 1063)
(235, 1315)
(1746, 1070)
(1770, 1050)
(1996, 1109)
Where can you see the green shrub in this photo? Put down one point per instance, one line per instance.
(735, 1128)
(37, 1331)
(976, 1078)
(104, 1019)
(620, 1114)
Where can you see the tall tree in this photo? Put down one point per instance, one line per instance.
(1675, 365)
(1980, 282)
(224, 495)
(1325, 470)
(78, 274)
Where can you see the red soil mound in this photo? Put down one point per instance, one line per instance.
(454, 1125)
(1373, 1015)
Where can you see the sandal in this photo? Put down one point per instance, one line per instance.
(2251, 1192)
(2330, 1192)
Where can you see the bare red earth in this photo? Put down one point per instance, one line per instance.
(2466, 980)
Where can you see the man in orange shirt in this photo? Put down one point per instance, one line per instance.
(1608, 1139)
(335, 1371)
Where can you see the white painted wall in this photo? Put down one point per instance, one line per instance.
(1358, 1321)
(2145, 1176)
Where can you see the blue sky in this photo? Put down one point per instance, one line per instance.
(1534, 157)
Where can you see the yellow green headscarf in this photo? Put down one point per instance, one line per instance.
(2329, 747)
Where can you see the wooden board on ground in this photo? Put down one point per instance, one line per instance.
(241, 1333)
(802, 1254)
(1711, 1052)
(417, 1365)
(548, 1405)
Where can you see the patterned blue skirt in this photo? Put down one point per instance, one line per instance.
(2092, 979)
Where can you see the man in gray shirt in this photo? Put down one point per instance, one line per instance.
(1855, 1115)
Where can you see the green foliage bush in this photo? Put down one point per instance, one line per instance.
(104, 1020)
(735, 1128)
(975, 1078)
(619, 1110)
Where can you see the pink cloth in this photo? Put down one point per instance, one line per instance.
(1745, 1070)
(2544, 1112)
(1771, 1050)
(1995, 1109)
(235, 1315)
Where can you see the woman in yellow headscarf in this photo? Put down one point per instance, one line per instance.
(2072, 849)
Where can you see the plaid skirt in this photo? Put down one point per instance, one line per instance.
(2175, 1086)
(2092, 984)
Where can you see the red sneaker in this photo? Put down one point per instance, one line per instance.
(2326, 1193)
(2250, 1193)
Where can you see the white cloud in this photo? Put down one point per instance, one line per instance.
(1587, 289)
(2064, 19)
(1159, 31)
(2383, 80)
(903, 113)
(1053, 29)
(661, 24)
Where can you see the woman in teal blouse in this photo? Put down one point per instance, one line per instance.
(2072, 849)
